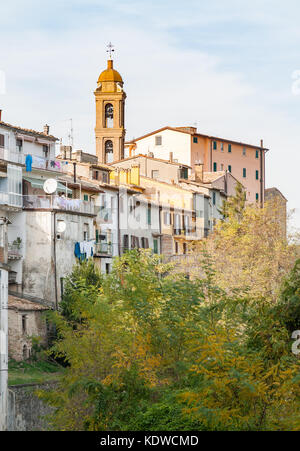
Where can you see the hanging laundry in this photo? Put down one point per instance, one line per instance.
(57, 164)
(28, 163)
(52, 164)
(38, 162)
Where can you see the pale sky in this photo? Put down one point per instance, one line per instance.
(226, 65)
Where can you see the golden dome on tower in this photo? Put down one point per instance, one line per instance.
(110, 74)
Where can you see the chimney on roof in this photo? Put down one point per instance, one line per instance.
(0, 115)
(46, 129)
(262, 143)
(199, 173)
(171, 157)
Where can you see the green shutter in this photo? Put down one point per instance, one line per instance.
(229, 167)
(229, 148)
(86, 197)
(155, 246)
(256, 175)
(149, 215)
(97, 235)
(215, 167)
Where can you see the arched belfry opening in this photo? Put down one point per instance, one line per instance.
(109, 115)
(109, 151)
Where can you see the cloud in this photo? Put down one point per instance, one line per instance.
(211, 63)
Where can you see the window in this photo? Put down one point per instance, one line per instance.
(222, 147)
(86, 197)
(167, 218)
(154, 174)
(215, 167)
(244, 173)
(229, 148)
(184, 173)
(176, 247)
(125, 243)
(24, 324)
(85, 232)
(95, 175)
(45, 150)
(155, 246)
(229, 168)
(256, 154)
(184, 248)
(158, 140)
(256, 175)
(215, 145)
(149, 215)
(19, 145)
(25, 352)
(109, 115)
(1, 140)
(222, 167)
(145, 243)
(244, 151)
(257, 197)
(195, 140)
(214, 198)
(107, 268)
(109, 152)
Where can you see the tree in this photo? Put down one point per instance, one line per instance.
(248, 250)
(156, 350)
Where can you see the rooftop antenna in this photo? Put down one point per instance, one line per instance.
(110, 50)
(71, 134)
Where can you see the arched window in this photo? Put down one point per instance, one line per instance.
(109, 115)
(25, 354)
(109, 152)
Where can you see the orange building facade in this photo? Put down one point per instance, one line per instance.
(185, 145)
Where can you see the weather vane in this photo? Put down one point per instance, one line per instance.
(110, 50)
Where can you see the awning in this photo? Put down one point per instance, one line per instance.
(38, 183)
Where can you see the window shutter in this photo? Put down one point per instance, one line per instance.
(1, 140)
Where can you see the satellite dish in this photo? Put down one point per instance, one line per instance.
(61, 226)
(50, 186)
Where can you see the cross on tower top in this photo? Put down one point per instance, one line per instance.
(110, 49)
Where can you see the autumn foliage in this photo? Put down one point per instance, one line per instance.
(148, 348)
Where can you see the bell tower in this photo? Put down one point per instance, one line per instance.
(110, 107)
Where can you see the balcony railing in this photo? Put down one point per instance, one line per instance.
(103, 248)
(187, 231)
(11, 199)
(57, 203)
(11, 156)
(37, 162)
(14, 251)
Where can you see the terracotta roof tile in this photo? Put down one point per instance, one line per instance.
(23, 304)
(29, 131)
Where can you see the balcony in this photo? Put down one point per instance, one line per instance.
(187, 232)
(54, 202)
(14, 251)
(11, 199)
(103, 248)
(11, 156)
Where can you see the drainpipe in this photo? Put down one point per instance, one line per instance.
(54, 258)
(119, 231)
(261, 174)
(211, 144)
